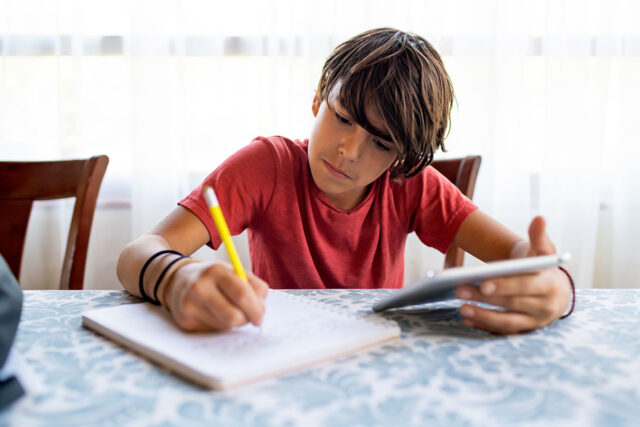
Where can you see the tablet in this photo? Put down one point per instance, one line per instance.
(439, 286)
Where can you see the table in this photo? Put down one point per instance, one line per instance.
(584, 370)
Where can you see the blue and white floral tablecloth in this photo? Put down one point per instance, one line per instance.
(584, 370)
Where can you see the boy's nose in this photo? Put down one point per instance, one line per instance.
(352, 144)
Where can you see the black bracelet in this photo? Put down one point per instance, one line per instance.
(573, 292)
(143, 294)
(157, 285)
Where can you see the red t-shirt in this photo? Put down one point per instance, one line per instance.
(298, 239)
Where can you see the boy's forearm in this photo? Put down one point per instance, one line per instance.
(519, 249)
(133, 257)
(487, 239)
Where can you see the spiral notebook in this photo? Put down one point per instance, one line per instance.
(296, 333)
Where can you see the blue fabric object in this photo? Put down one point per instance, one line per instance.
(10, 308)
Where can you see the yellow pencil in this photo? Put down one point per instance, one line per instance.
(223, 230)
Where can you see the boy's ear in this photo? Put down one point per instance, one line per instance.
(315, 106)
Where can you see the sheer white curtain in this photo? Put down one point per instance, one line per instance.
(546, 92)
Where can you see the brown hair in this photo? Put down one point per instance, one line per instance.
(403, 78)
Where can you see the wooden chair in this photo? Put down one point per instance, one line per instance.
(21, 183)
(462, 172)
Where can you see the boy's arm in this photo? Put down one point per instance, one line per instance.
(531, 301)
(199, 295)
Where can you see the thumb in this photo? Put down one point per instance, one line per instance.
(539, 241)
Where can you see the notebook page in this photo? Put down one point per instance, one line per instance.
(294, 332)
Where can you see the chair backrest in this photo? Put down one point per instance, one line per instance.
(462, 172)
(21, 183)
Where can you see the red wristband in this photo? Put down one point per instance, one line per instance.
(573, 292)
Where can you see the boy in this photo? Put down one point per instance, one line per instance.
(335, 211)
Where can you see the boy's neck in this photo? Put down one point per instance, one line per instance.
(347, 202)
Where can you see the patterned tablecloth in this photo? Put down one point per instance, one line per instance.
(584, 370)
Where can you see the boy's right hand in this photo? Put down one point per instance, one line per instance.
(212, 297)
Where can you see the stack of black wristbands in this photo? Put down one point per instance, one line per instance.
(155, 300)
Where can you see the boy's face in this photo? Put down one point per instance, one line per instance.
(344, 158)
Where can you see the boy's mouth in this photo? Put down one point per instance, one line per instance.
(336, 171)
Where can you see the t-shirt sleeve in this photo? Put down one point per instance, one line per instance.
(244, 185)
(436, 208)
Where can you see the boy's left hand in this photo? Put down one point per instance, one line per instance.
(531, 301)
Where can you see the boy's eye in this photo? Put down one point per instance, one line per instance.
(381, 146)
(343, 120)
